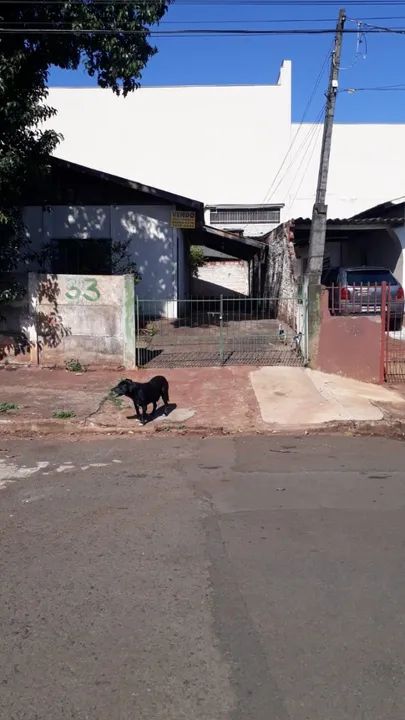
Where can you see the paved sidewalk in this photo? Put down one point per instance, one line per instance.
(209, 400)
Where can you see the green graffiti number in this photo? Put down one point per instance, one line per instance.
(90, 293)
(73, 293)
(91, 288)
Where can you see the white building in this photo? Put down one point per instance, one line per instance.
(83, 221)
(80, 221)
(225, 145)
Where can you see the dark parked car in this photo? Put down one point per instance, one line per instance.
(357, 290)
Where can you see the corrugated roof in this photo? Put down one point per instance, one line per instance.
(382, 207)
(225, 242)
(353, 221)
(215, 254)
(131, 184)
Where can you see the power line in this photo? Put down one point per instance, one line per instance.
(190, 32)
(257, 21)
(208, 22)
(381, 88)
(307, 139)
(267, 21)
(304, 114)
(310, 151)
(216, 3)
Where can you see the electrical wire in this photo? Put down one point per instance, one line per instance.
(190, 32)
(257, 21)
(300, 149)
(216, 3)
(315, 138)
(361, 39)
(380, 88)
(304, 115)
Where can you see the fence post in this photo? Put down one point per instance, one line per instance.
(32, 330)
(137, 349)
(221, 326)
(129, 321)
(383, 331)
(314, 321)
(305, 320)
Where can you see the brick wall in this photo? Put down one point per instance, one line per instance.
(222, 277)
(280, 273)
(281, 277)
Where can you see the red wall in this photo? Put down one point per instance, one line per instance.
(349, 346)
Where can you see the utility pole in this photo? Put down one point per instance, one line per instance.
(318, 225)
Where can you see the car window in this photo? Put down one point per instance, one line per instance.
(358, 277)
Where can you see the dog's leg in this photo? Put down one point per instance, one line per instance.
(144, 414)
(165, 398)
(154, 408)
(138, 415)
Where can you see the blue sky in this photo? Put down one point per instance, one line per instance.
(250, 60)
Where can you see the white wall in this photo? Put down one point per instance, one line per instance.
(225, 145)
(400, 233)
(250, 229)
(201, 142)
(222, 277)
(367, 167)
(153, 243)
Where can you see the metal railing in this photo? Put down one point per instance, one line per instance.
(355, 299)
(219, 331)
(383, 303)
(392, 315)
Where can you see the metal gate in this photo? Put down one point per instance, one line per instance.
(393, 337)
(223, 331)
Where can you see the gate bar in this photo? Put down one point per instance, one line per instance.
(383, 349)
(221, 329)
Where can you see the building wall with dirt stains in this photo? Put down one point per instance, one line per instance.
(85, 318)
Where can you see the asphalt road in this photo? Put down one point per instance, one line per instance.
(213, 579)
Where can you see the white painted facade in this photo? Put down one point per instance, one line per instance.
(225, 145)
(157, 248)
(400, 267)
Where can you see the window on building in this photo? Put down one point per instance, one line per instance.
(239, 216)
(77, 256)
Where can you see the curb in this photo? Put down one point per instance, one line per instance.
(29, 428)
(394, 429)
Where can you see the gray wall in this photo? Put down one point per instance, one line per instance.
(157, 248)
(15, 318)
(88, 318)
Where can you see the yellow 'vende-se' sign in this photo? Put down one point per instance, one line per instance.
(184, 220)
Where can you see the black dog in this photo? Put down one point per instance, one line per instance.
(142, 394)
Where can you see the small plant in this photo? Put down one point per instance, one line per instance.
(150, 330)
(7, 407)
(75, 366)
(63, 414)
(196, 259)
(117, 401)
